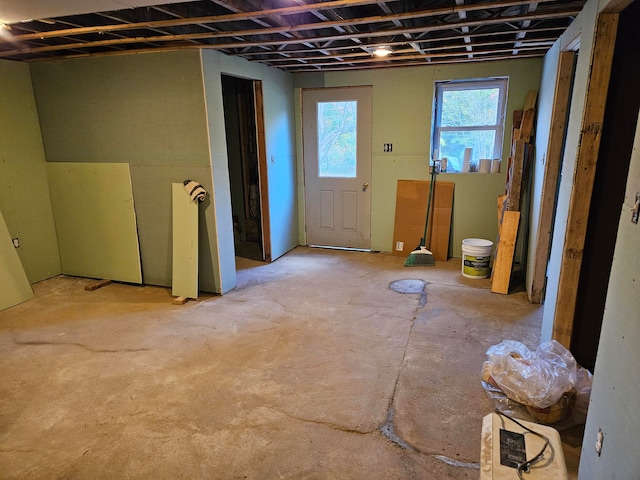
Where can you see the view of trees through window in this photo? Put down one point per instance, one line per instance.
(337, 139)
(469, 115)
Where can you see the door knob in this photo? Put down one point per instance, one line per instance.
(365, 185)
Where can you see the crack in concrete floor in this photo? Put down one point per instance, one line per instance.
(80, 345)
(406, 286)
(413, 286)
(320, 422)
(457, 463)
(387, 430)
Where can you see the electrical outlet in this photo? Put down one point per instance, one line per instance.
(387, 147)
(399, 246)
(599, 440)
(16, 242)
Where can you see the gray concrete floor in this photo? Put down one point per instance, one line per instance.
(312, 368)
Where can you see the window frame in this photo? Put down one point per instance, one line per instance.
(502, 83)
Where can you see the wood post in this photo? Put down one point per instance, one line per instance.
(601, 60)
(555, 149)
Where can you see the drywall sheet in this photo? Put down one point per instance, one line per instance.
(14, 285)
(24, 191)
(95, 219)
(185, 243)
(411, 209)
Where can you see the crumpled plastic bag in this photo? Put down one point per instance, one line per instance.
(537, 379)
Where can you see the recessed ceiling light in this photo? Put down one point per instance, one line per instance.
(5, 31)
(382, 51)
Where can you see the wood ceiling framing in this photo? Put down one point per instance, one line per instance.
(305, 35)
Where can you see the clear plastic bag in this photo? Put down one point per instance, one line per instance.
(571, 408)
(538, 379)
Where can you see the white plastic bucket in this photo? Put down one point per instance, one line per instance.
(476, 256)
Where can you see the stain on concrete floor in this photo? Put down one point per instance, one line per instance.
(409, 286)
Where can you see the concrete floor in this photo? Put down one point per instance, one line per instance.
(312, 368)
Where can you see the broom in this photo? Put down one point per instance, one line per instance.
(421, 257)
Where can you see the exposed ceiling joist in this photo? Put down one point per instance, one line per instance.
(314, 34)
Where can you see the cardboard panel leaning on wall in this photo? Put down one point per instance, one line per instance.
(95, 220)
(24, 191)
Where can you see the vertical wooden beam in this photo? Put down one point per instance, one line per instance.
(555, 149)
(262, 171)
(601, 60)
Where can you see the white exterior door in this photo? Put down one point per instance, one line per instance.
(337, 166)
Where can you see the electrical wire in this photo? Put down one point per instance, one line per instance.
(527, 464)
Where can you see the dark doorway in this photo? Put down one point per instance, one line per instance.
(618, 131)
(244, 172)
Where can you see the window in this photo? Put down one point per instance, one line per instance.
(337, 139)
(469, 114)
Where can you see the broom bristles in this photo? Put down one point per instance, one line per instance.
(420, 257)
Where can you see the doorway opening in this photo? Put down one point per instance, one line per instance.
(242, 101)
(612, 169)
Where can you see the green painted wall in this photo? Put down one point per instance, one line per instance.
(277, 88)
(162, 113)
(146, 110)
(24, 191)
(402, 110)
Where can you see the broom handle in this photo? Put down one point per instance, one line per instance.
(426, 221)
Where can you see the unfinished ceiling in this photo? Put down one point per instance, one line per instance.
(304, 35)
